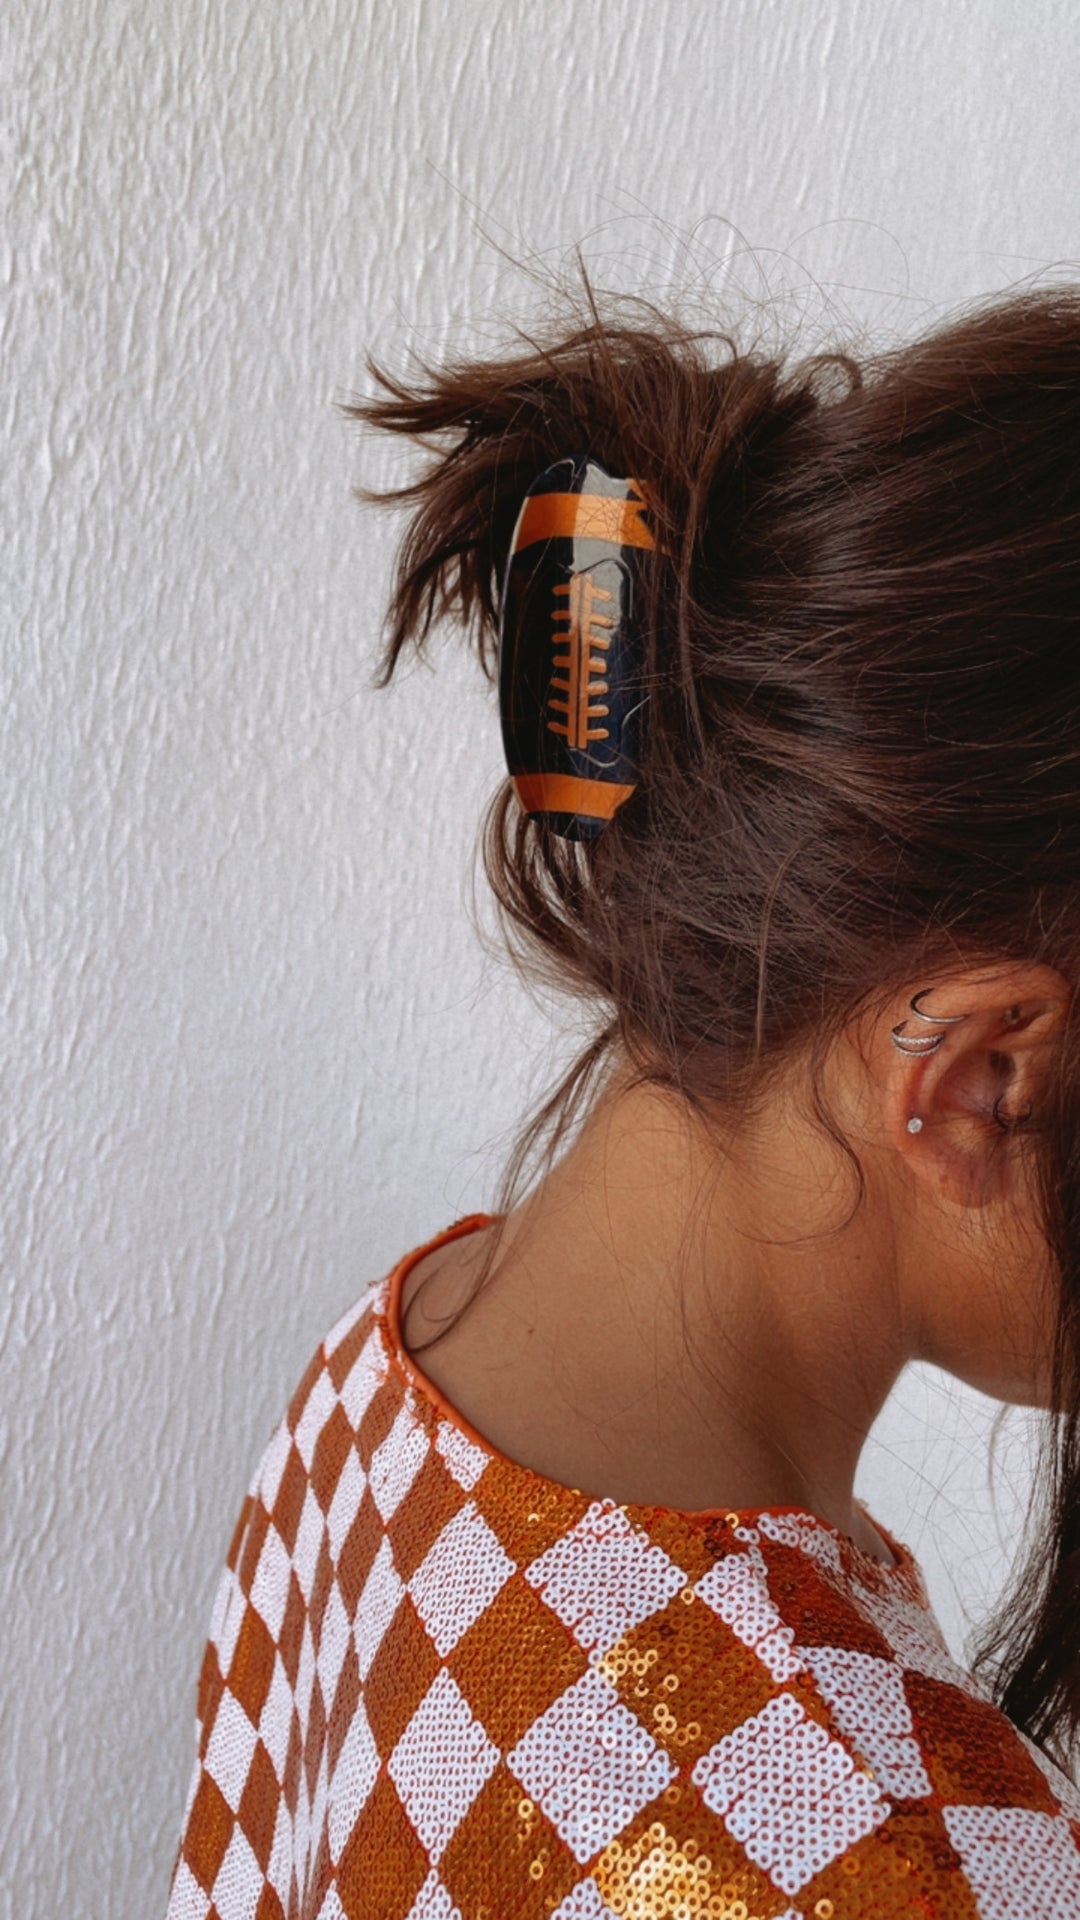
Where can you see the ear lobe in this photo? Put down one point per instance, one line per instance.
(959, 1095)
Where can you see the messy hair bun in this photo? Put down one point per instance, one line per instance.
(863, 750)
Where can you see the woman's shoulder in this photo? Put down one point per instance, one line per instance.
(333, 1391)
(354, 1419)
(417, 1636)
(361, 1352)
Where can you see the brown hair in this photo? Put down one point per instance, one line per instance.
(862, 758)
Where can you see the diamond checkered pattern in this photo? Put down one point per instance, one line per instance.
(440, 1687)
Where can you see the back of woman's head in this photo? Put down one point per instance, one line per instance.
(861, 757)
(864, 683)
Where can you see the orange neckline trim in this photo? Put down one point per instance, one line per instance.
(390, 1325)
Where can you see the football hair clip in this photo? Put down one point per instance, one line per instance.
(571, 646)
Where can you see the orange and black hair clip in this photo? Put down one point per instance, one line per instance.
(571, 646)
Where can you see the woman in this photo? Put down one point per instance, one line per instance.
(551, 1594)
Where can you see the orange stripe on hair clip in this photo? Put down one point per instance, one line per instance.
(567, 793)
(582, 516)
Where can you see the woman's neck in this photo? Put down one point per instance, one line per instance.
(675, 1325)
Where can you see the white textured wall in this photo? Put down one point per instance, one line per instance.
(252, 1051)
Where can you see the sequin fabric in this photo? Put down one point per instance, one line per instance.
(440, 1687)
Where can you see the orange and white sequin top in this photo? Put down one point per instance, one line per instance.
(439, 1685)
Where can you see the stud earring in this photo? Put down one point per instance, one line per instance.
(914, 1125)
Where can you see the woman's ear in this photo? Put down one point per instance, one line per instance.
(963, 1061)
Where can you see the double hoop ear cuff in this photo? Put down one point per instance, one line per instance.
(919, 1043)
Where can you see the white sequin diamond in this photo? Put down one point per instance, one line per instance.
(397, 1461)
(354, 1776)
(868, 1703)
(305, 1676)
(590, 1764)
(458, 1577)
(1020, 1863)
(376, 1607)
(604, 1577)
(433, 1902)
(273, 1464)
(440, 1763)
(334, 1636)
(230, 1606)
(788, 1792)
(276, 1718)
(232, 1744)
(364, 1379)
(464, 1459)
(279, 1867)
(346, 1501)
(344, 1326)
(301, 1825)
(912, 1634)
(737, 1588)
(309, 1538)
(239, 1880)
(270, 1586)
(187, 1901)
(318, 1809)
(584, 1902)
(1062, 1788)
(804, 1532)
(318, 1407)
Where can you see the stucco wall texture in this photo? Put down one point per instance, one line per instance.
(253, 1046)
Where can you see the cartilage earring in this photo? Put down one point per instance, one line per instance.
(935, 1019)
(914, 1125)
(915, 1043)
(922, 1043)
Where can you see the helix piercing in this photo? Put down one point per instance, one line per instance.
(923, 1043)
(935, 1019)
(914, 1043)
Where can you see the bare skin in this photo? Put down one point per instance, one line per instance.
(697, 1319)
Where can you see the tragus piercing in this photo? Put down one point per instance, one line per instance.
(923, 1043)
(914, 1125)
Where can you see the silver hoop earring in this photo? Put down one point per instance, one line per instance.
(915, 1043)
(923, 1043)
(935, 1019)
